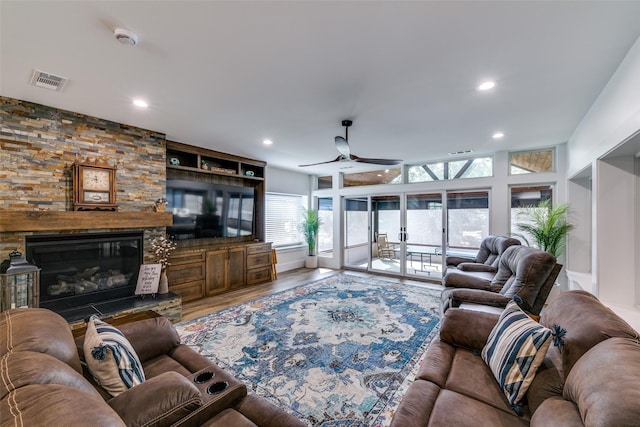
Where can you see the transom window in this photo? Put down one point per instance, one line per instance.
(537, 161)
(480, 167)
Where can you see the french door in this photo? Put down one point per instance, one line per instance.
(398, 234)
(410, 234)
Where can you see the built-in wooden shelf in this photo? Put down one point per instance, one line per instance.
(11, 221)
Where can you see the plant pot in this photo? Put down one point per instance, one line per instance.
(311, 261)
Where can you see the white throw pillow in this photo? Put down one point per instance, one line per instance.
(110, 357)
(515, 349)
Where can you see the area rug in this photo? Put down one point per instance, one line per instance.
(337, 352)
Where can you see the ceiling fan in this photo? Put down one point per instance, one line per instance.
(342, 145)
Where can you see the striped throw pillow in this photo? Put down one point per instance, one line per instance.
(110, 357)
(515, 349)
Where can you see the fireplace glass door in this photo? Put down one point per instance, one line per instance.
(85, 269)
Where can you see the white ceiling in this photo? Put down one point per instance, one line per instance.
(226, 75)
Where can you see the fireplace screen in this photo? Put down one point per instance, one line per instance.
(85, 269)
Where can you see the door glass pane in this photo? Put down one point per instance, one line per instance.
(467, 221)
(325, 232)
(424, 229)
(356, 236)
(385, 247)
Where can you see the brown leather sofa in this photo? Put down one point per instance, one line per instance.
(526, 272)
(487, 258)
(589, 379)
(43, 382)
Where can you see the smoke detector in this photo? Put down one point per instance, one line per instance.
(125, 36)
(47, 80)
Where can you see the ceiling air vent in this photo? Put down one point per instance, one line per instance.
(457, 153)
(48, 81)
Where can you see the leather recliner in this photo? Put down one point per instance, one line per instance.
(488, 257)
(525, 272)
(45, 382)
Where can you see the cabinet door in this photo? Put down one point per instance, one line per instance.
(216, 272)
(237, 267)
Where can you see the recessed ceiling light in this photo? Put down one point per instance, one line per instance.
(489, 84)
(140, 103)
(267, 142)
(498, 135)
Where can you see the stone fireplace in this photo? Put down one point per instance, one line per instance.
(38, 146)
(80, 272)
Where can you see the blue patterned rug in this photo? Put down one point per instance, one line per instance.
(340, 351)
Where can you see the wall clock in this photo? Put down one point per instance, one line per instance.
(94, 186)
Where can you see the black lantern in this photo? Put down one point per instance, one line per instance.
(19, 284)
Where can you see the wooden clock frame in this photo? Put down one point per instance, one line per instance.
(102, 197)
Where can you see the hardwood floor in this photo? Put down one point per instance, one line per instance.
(287, 280)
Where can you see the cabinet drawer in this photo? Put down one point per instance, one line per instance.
(183, 273)
(258, 275)
(259, 260)
(187, 257)
(258, 248)
(189, 291)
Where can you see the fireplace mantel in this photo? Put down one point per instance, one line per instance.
(11, 221)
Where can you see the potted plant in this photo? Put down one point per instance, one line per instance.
(309, 227)
(546, 226)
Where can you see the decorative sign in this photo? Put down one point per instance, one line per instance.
(148, 279)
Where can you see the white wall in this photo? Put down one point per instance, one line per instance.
(612, 122)
(288, 182)
(613, 117)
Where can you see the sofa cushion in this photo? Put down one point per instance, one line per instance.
(586, 321)
(110, 357)
(514, 351)
(604, 384)
(21, 368)
(39, 330)
(55, 405)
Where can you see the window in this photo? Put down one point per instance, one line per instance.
(325, 232)
(525, 199)
(283, 219)
(386, 176)
(457, 169)
(468, 218)
(531, 162)
(325, 182)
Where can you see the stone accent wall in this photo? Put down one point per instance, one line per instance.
(38, 145)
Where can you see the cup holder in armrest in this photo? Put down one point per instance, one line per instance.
(217, 387)
(203, 377)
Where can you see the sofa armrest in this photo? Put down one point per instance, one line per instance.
(467, 328)
(477, 296)
(151, 337)
(455, 260)
(458, 279)
(476, 266)
(159, 401)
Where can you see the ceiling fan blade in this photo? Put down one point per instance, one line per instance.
(343, 147)
(337, 159)
(385, 162)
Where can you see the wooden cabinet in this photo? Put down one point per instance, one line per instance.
(258, 263)
(225, 269)
(206, 267)
(200, 272)
(186, 274)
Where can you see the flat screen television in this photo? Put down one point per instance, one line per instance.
(208, 210)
